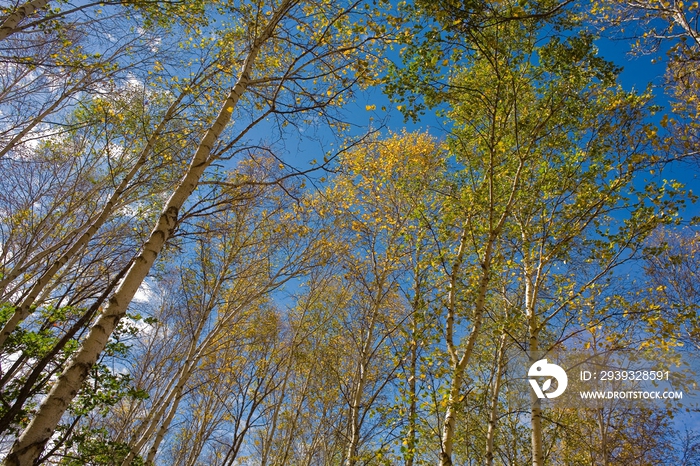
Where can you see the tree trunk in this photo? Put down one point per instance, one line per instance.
(459, 364)
(413, 399)
(10, 24)
(534, 348)
(164, 428)
(536, 420)
(448, 429)
(417, 306)
(602, 426)
(493, 408)
(356, 402)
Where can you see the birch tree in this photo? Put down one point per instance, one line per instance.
(548, 107)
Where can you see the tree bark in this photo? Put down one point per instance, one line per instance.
(493, 408)
(10, 24)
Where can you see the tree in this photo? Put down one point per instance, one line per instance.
(64, 253)
(667, 31)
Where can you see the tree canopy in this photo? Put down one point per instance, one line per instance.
(211, 253)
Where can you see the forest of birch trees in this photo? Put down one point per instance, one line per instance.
(338, 232)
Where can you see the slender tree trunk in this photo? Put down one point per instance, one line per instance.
(534, 348)
(10, 24)
(413, 398)
(603, 437)
(459, 364)
(417, 306)
(164, 428)
(536, 420)
(29, 445)
(536, 412)
(40, 118)
(493, 408)
(448, 429)
(356, 402)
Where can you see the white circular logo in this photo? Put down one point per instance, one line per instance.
(542, 368)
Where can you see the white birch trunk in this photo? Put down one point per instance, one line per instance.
(413, 395)
(10, 24)
(534, 347)
(459, 365)
(164, 428)
(356, 402)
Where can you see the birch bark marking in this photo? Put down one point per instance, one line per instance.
(31, 443)
(12, 21)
